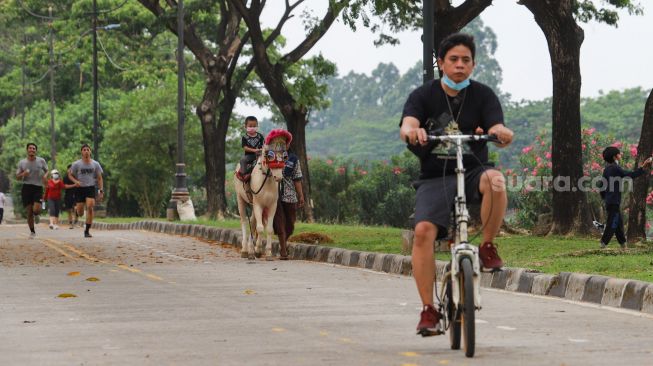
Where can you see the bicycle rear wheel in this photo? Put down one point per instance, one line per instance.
(467, 306)
(453, 315)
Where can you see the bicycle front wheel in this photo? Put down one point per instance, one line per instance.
(467, 306)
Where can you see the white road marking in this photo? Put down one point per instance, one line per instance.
(577, 340)
(505, 327)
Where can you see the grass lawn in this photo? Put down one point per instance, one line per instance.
(545, 254)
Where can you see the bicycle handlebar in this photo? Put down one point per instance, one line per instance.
(464, 138)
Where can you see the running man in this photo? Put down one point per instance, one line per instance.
(86, 173)
(33, 172)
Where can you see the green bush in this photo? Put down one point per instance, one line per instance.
(379, 193)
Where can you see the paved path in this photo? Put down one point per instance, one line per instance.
(153, 299)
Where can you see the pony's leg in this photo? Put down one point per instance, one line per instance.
(244, 245)
(269, 228)
(258, 214)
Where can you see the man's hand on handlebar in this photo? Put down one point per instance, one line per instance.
(503, 133)
(416, 136)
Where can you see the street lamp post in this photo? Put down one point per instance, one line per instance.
(22, 93)
(96, 122)
(427, 40)
(180, 193)
(53, 148)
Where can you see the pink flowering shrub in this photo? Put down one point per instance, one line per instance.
(530, 186)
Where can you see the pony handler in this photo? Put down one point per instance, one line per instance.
(262, 192)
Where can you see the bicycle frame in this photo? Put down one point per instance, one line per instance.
(461, 247)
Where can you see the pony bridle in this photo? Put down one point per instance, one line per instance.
(275, 159)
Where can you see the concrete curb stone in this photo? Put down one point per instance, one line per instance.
(512, 282)
(526, 282)
(559, 285)
(613, 292)
(647, 300)
(594, 289)
(607, 291)
(576, 286)
(542, 283)
(486, 279)
(633, 295)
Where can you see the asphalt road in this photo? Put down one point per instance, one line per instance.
(152, 299)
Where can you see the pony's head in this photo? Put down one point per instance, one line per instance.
(275, 151)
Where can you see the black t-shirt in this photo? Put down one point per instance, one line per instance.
(255, 142)
(478, 107)
(613, 176)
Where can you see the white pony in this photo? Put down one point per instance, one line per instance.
(262, 192)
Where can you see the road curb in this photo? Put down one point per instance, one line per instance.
(606, 291)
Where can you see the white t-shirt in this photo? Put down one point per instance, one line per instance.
(2, 200)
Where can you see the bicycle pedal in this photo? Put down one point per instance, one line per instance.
(491, 270)
(429, 333)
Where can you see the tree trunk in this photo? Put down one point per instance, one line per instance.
(298, 130)
(219, 68)
(564, 38)
(637, 202)
(449, 19)
(213, 138)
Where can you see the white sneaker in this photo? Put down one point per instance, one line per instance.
(56, 227)
(32, 235)
(51, 226)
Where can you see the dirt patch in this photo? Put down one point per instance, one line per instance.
(311, 238)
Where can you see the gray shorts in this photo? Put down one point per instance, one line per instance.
(435, 197)
(54, 207)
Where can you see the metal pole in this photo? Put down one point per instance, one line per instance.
(53, 148)
(427, 40)
(22, 92)
(96, 122)
(181, 190)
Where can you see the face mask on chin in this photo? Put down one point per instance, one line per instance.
(453, 85)
(252, 130)
(55, 176)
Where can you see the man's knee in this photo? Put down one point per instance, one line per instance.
(492, 181)
(425, 234)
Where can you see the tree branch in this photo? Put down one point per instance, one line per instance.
(316, 34)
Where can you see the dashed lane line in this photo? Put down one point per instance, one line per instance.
(61, 248)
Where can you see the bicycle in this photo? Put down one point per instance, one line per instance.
(459, 295)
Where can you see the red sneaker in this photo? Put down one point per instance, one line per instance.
(489, 257)
(429, 322)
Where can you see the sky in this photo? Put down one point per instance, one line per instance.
(611, 58)
(522, 51)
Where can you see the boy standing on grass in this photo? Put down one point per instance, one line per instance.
(613, 176)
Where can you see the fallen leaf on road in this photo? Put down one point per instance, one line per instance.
(92, 279)
(73, 274)
(249, 292)
(66, 295)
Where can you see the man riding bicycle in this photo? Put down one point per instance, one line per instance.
(454, 101)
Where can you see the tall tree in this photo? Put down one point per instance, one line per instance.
(557, 19)
(212, 32)
(273, 73)
(637, 201)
